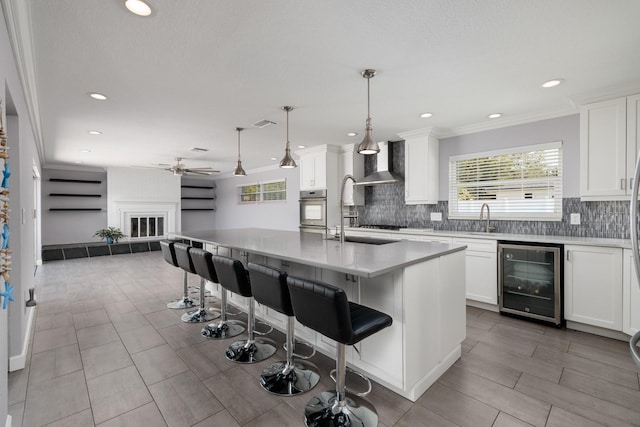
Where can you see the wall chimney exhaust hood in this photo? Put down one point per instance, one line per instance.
(382, 175)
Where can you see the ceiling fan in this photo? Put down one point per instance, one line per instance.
(181, 169)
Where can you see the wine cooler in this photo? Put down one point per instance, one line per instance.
(530, 280)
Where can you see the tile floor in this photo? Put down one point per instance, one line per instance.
(106, 351)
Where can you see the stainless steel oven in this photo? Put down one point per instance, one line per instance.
(530, 280)
(313, 211)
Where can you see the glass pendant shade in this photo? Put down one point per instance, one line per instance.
(368, 145)
(287, 161)
(239, 171)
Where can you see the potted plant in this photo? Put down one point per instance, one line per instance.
(110, 234)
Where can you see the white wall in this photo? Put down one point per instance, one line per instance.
(141, 186)
(565, 129)
(272, 215)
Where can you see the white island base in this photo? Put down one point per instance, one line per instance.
(426, 301)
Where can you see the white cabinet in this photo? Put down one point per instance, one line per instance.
(318, 167)
(593, 285)
(630, 296)
(609, 140)
(421, 165)
(481, 269)
(351, 163)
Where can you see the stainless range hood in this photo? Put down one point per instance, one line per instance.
(382, 175)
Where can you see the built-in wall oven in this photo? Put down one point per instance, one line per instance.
(313, 211)
(530, 280)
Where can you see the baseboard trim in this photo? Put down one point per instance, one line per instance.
(19, 362)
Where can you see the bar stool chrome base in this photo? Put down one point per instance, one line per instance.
(251, 351)
(200, 315)
(290, 379)
(323, 410)
(182, 303)
(222, 330)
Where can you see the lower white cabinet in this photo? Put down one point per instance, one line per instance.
(630, 295)
(593, 285)
(482, 269)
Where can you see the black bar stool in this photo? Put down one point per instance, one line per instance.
(202, 314)
(325, 309)
(235, 278)
(288, 378)
(169, 254)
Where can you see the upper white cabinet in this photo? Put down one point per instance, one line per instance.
(351, 163)
(593, 286)
(608, 148)
(421, 149)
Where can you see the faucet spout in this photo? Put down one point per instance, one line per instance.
(344, 183)
(489, 228)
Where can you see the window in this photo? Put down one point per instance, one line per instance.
(523, 183)
(264, 192)
(147, 226)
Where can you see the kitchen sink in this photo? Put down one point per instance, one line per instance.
(366, 240)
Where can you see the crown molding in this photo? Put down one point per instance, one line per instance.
(430, 131)
(18, 20)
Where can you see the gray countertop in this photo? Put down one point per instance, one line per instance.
(364, 260)
(567, 240)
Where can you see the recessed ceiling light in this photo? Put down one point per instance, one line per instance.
(85, 151)
(274, 158)
(495, 115)
(77, 162)
(95, 132)
(138, 7)
(98, 96)
(551, 83)
(352, 134)
(302, 146)
(426, 115)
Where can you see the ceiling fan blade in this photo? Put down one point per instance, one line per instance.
(194, 172)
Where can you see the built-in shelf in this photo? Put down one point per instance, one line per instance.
(73, 195)
(75, 209)
(79, 181)
(197, 209)
(197, 186)
(198, 198)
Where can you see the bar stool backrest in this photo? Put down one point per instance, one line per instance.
(183, 257)
(169, 252)
(232, 275)
(203, 263)
(322, 307)
(269, 287)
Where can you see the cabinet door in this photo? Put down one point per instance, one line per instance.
(633, 136)
(307, 172)
(421, 170)
(603, 149)
(481, 270)
(630, 296)
(593, 286)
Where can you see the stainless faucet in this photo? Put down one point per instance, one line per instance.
(344, 182)
(489, 228)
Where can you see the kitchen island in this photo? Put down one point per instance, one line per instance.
(421, 285)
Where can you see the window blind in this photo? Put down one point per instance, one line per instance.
(269, 191)
(524, 183)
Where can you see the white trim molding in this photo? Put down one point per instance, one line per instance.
(20, 361)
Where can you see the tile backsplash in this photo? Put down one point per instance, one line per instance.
(384, 205)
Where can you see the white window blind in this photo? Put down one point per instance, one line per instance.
(523, 183)
(269, 191)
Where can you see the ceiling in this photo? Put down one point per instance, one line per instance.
(193, 71)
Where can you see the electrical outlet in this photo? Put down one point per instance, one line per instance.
(436, 216)
(575, 219)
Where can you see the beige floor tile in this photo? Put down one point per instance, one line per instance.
(94, 336)
(53, 338)
(141, 339)
(221, 419)
(505, 420)
(280, 416)
(183, 400)
(602, 389)
(51, 321)
(17, 385)
(146, 415)
(129, 321)
(90, 318)
(183, 335)
(419, 416)
(561, 418)
(165, 317)
(55, 399)
(105, 358)
(54, 363)
(158, 363)
(457, 407)
(206, 359)
(117, 392)
(81, 419)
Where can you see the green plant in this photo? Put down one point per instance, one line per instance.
(113, 233)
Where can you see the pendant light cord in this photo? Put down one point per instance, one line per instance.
(287, 110)
(239, 130)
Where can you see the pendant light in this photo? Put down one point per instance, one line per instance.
(238, 171)
(287, 161)
(368, 145)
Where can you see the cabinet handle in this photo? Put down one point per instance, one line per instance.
(622, 184)
(568, 256)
